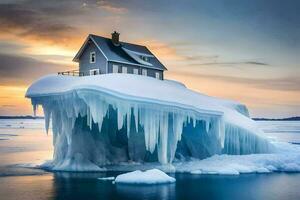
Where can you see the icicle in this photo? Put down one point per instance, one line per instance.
(128, 116)
(34, 107)
(136, 117)
(222, 131)
(90, 120)
(194, 122)
(163, 139)
(207, 122)
(120, 119)
(47, 114)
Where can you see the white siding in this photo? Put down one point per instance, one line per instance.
(144, 72)
(157, 75)
(124, 70)
(115, 68)
(136, 71)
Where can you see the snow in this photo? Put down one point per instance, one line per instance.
(108, 119)
(136, 56)
(75, 163)
(287, 159)
(152, 176)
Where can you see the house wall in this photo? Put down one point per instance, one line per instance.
(150, 72)
(84, 61)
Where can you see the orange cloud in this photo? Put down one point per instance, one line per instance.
(261, 101)
(163, 50)
(111, 8)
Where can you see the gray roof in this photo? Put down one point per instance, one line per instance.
(123, 53)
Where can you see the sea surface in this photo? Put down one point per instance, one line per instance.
(24, 143)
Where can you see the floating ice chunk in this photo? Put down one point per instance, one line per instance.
(196, 172)
(152, 176)
(110, 178)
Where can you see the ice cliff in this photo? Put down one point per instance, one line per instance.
(115, 118)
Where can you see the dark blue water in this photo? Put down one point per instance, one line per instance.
(31, 145)
(72, 186)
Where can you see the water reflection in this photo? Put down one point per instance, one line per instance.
(87, 186)
(251, 186)
(162, 191)
(33, 146)
(75, 186)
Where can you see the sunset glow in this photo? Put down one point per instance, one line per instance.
(249, 58)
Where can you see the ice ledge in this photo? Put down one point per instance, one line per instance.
(112, 118)
(131, 86)
(143, 88)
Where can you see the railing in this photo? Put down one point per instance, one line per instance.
(71, 73)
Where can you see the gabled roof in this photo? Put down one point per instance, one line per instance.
(124, 53)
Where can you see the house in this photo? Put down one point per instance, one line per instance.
(100, 55)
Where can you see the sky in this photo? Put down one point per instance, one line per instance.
(248, 51)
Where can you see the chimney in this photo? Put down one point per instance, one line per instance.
(115, 38)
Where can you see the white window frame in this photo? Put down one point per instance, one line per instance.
(157, 75)
(135, 71)
(92, 54)
(115, 68)
(94, 70)
(124, 70)
(144, 72)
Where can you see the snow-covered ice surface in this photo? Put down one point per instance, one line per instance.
(152, 176)
(286, 159)
(123, 120)
(285, 131)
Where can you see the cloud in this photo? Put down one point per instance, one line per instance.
(15, 70)
(291, 83)
(58, 22)
(255, 63)
(8, 106)
(171, 52)
(231, 63)
(162, 49)
(10, 47)
(201, 57)
(110, 7)
(34, 20)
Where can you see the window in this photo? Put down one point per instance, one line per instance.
(144, 72)
(92, 57)
(135, 71)
(115, 69)
(144, 58)
(157, 75)
(124, 70)
(94, 71)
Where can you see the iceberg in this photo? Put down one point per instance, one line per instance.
(108, 119)
(152, 176)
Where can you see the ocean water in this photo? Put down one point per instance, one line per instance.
(24, 143)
